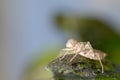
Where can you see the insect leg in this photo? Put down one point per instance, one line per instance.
(74, 56)
(66, 52)
(77, 51)
(101, 64)
(88, 46)
(64, 55)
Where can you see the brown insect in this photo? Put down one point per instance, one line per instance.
(84, 49)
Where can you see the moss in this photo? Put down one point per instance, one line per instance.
(82, 68)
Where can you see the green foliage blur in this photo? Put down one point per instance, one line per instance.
(37, 69)
(101, 34)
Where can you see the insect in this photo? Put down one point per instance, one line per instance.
(84, 49)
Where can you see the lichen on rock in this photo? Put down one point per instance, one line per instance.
(82, 68)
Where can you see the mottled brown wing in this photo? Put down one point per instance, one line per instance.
(99, 53)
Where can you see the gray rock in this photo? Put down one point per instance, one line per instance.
(82, 68)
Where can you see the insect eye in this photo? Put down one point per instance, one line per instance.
(69, 45)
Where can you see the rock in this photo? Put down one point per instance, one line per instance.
(82, 68)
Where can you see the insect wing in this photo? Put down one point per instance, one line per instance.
(101, 54)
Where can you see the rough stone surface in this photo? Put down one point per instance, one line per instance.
(82, 68)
